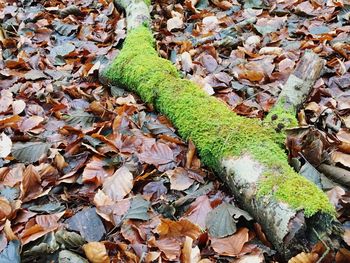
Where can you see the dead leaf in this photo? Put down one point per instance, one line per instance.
(119, 184)
(232, 245)
(176, 229)
(96, 252)
(188, 253)
(159, 154)
(5, 209)
(5, 145)
(30, 123)
(18, 106)
(304, 258)
(5, 100)
(96, 171)
(339, 157)
(174, 23)
(31, 184)
(198, 211)
(179, 179)
(170, 247)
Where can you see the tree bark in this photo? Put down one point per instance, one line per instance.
(241, 151)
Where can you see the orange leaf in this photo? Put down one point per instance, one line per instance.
(96, 252)
(31, 184)
(177, 229)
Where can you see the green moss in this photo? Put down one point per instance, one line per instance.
(216, 131)
(280, 118)
(148, 2)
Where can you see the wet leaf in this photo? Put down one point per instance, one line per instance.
(30, 151)
(119, 184)
(158, 154)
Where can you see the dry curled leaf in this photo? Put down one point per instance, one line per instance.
(177, 229)
(304, 258)
(96, 252)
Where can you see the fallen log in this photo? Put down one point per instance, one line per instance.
(242, 151)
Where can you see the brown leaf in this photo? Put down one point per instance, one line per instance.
(252, 75)
(158, 154)
(188, 253)
(30, 123)
(304, 258)
(5, 100)
(96, 252)
(198, 211)
(232, 245)
(179, 179)
(95, 172)
(210, 63)
(339, 157)
(170, 247)
(31, 184)
(178, 229)
(5, 209)
(44, 224)
(119, 184)
(342, 256)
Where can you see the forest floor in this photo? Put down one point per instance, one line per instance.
(89, 172)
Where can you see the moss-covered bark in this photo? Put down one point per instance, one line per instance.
(217, 132)
(244, 152)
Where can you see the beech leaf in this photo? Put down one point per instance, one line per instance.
(30, 151)
(232, 245)
(5, 145)
(119, 184)
(220, 222)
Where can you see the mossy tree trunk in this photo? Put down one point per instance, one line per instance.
(243, 153)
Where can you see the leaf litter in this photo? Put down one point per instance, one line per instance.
(102, 178)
